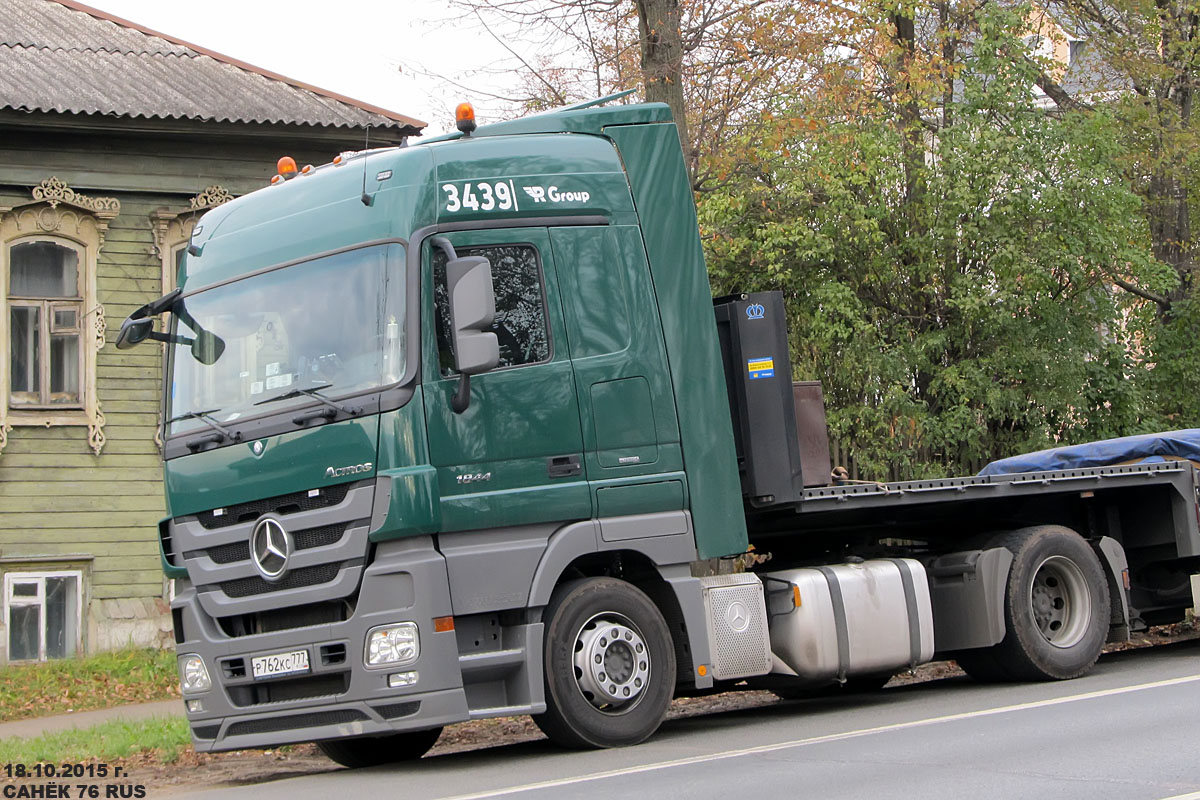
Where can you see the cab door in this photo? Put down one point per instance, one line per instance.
(514, 456)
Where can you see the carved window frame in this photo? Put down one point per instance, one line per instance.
(59, 213)
(173, 229)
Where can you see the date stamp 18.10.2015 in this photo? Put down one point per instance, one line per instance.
(82, 781)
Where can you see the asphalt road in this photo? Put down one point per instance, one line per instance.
(1130, 730)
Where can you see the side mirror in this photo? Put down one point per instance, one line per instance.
(134, 332)
(472, 311)
(207, 347)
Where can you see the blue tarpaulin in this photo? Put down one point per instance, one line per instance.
(1171, 445)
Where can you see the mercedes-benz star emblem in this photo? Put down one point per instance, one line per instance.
(737, 616)
(270, 547)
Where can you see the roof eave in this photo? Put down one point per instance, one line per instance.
(410, 122)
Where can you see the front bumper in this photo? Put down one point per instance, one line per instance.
(339, 696)
(331, 720)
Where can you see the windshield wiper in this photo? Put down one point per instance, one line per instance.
(315, 393)
(223, 433)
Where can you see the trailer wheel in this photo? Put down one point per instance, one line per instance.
(373, 751)
(1056, 605)
(609, 665)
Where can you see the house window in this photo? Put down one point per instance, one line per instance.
(520, 324)
(51, 325)
(41, 614)
(45, 303)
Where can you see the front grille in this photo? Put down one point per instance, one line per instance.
(286, 619)
(305, 688)
(272, 724)
(225, 553)
(297, 578)
(283, 504)
(328, 536)
(394, 710)
(319, 537)
(304, 540)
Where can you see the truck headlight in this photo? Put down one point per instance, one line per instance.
(392, 645)
(193, 675)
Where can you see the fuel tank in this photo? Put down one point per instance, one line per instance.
(863, 618)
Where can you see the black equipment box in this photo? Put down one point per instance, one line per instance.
(752, 330)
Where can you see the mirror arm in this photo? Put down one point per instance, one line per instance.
(159, 336)
(156, 307)
(462, 395)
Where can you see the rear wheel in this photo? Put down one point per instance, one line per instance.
(1056, 607)
(609, 665)
(373, 751)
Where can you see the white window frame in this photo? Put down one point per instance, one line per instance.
(11, 578)
(47, 306)
(58, 214)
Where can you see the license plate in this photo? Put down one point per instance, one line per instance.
(279, 664)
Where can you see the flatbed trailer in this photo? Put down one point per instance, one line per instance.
(455, 431)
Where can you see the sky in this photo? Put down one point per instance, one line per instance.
(385, 52)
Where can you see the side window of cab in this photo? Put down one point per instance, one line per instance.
(520, 327)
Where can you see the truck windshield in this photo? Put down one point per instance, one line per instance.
(334, 324)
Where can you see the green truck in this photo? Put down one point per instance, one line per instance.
(456, 430)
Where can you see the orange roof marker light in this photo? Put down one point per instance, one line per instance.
(286, 167)
(464, 118)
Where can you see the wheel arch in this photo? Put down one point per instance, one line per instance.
(658, 562)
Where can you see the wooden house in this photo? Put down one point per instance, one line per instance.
(113, 140)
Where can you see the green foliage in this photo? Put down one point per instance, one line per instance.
(165, 737)
(84, 684)
(971, 319)
(1172, 369)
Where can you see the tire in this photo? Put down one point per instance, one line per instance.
(1056, 606)
(361, 752)
(601, 691)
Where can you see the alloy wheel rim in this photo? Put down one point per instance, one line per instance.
(611, 663)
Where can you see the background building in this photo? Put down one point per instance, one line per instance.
(114, 139)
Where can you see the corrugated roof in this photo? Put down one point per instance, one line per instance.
(59, 55)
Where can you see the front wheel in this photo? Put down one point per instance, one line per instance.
(609, 665)
(373, 751)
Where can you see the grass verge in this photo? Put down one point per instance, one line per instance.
(85, 684)
(166, 737)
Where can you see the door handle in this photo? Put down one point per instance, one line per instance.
(563, 466)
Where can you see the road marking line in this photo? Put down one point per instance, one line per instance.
(833, 737)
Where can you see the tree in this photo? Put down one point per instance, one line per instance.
(716, 63)
(970, 319)
(1146, 58)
